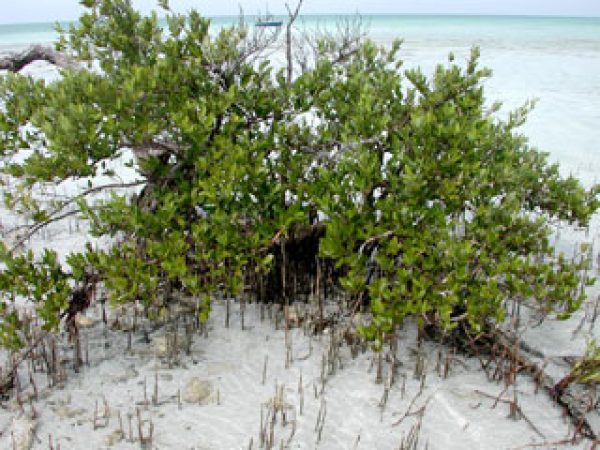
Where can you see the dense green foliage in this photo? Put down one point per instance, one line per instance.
(413, 178)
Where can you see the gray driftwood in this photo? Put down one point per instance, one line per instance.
(16, 61)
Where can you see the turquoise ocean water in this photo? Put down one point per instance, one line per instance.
(555, 60)
(431, 29)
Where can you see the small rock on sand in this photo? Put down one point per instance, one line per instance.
(197, 391)
(84, 321)
(160, 345)
(114, 438)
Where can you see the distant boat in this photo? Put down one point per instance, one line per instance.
(269, 23)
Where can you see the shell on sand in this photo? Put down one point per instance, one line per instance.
(197, 391)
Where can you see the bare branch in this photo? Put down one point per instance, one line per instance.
(373, 239)
(337, 46)
(56, 217)
(518, 407)
(288, 38)
(38, 226)
(16, 61)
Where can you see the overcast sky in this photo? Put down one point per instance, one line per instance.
(15, 11)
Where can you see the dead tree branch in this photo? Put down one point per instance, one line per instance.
(288, 39)
(55, 216)
(17, 61)
(564, 397)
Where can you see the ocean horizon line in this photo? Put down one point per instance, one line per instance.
(354, 14)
